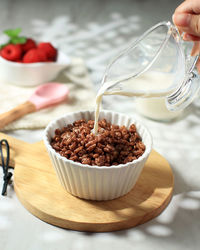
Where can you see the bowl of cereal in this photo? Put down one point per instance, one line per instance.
(97, 167)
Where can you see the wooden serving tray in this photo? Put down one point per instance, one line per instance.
(39, 190)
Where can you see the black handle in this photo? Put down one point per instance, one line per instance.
(5, 165)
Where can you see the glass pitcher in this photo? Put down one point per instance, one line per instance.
(155, 66)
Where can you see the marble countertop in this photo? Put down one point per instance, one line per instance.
(178, 225)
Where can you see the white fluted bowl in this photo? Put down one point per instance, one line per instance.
(32, 74)
(95, 182)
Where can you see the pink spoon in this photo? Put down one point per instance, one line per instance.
(44, 96)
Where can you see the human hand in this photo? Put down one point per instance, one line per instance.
(187, 19)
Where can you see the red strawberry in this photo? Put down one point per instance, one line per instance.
(11, 52)
(29, 44)
(35, 55)
(49, 49)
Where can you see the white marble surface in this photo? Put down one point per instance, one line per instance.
(178, 226)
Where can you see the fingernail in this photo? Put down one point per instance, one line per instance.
(181, 19)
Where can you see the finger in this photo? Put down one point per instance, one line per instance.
(191, 7)
(188, 23)
(181, 19)
(189, 37)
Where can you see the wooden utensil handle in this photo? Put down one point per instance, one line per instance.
(16, 113)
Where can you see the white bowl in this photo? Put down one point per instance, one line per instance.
(94, 182)
(31, 74)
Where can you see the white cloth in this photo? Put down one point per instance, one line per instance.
(81, 96)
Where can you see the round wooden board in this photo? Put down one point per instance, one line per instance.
(38, 189)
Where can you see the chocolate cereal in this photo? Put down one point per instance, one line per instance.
(113, 145)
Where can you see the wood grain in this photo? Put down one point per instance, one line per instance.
(39, 190)
(16, 113)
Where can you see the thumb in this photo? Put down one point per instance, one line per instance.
(188, 23)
